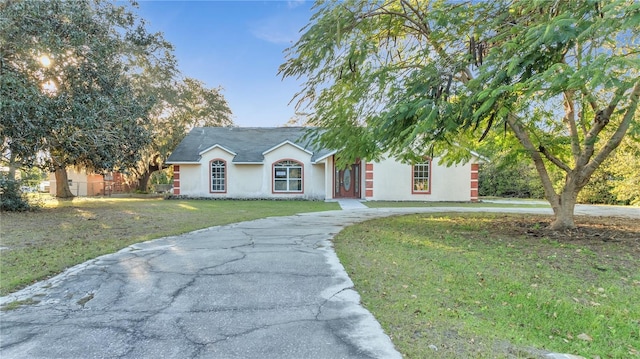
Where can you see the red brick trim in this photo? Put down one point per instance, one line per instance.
(474, 182)
(368, 182)
(176, 179)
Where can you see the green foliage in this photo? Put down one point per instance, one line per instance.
(161, 177)
(599, 190)
(32, 177)
(11, 197)
(72, 74)
(624, 167)
(518, 180)
(183, 105)
(414, 78)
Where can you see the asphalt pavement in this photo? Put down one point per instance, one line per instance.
(268, 288)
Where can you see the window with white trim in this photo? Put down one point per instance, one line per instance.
(287, 176)
(421, 180)
(218, 176)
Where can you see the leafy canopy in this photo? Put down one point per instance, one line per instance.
(65, 90)
(414, 78)
(411, 77)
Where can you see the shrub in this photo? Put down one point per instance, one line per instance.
(509, 180)
(11, 197)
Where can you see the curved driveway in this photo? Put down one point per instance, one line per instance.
(269, 288)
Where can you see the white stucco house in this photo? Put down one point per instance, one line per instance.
(276, 162)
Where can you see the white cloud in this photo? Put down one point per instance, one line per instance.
(279, 29)
(295, 3)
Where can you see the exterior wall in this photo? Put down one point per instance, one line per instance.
(250, 180)
(312, 177)
(389, 180)
(95, 185)
(329, 178)
(81, 184)
(315, 183)
(386, 180)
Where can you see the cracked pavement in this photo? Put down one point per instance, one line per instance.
(268, 288)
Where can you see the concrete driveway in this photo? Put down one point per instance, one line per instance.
(269, 288)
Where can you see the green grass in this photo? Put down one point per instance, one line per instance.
(65, 233)
(454, 281)
(412, 204)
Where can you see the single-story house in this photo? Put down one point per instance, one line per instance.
(277, 162)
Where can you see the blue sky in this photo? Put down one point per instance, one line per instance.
(237, 45)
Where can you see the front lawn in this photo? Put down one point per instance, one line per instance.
(496, 285)
(413, 204)
(36, 245)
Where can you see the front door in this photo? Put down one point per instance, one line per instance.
(347, 181)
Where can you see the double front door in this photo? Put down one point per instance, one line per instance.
(347, 181)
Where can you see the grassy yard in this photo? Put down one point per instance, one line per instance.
(406, 204)
(495, 285)
(39, 244)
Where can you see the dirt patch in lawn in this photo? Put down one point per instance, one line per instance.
(595, 233)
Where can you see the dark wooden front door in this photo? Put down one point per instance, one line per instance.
(347, 181)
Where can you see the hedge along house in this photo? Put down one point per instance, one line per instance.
(278, 162)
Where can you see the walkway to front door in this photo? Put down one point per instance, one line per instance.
(349, 203)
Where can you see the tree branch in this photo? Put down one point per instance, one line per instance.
(600, 120)
(538, 162)
(553, 159)
(420, 27)
(617, 137)
(570, 120)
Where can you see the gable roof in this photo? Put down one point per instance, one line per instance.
(249, 144)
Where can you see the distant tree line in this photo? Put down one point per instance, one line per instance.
(617, 181)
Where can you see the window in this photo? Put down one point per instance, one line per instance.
(421, 177)
(218, 176)
(287, 176)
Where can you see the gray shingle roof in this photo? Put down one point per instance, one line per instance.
(248, 143)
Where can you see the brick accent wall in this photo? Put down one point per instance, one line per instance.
(474, 182)
(176, 179)
(368, 180)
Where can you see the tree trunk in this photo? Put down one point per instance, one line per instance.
(143, 181)
(62, 183)
(12, 167)
(564, 209)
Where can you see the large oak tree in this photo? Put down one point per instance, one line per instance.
(64, 87)
(188, 103)
(415, 77)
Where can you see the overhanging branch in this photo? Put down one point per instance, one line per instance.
(553, 159)
(570, 121)
(620, 132)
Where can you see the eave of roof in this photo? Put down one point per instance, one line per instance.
(217, 146)
(287, 142)
(322, 158)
